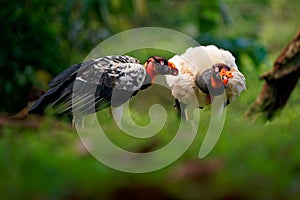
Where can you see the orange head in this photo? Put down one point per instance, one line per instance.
(221, 74)
(213, 81)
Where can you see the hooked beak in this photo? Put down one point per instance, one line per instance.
(172, 69)
(225, 75)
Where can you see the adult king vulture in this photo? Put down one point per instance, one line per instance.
(205, 72)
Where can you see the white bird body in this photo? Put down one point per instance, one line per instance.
(196, 60)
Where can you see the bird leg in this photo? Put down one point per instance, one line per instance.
(117, 113)
(180, 107)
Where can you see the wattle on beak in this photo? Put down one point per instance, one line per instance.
(172, 68)
(225, 75)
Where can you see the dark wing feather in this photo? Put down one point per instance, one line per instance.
(112, 81)
(89, 86)
(64, 76)
(59, 88)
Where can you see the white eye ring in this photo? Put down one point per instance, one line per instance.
(162, 62)
(216, 69)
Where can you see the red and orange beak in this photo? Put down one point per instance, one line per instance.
(225, 74)
(173, 69)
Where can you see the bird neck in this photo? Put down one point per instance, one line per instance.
(217, 86)
(151, 71)
(216, 83)
(209, 84)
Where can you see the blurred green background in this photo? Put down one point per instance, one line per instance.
(252, 160)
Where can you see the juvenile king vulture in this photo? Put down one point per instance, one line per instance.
(99, 83)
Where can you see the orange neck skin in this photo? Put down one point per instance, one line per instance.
(227, 74)
(216, 83)
(151, 70)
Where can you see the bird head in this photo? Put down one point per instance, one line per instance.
(157, 65)
(215, 79)
(221, 73)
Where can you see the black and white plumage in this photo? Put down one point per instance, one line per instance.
(99, 83)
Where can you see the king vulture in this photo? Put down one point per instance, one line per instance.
(99, 83)
(205, 72)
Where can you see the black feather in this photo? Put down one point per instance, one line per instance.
(89, 86)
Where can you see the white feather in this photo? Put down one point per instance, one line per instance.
(196, 60)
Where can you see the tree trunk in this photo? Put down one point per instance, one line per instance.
(279, 82)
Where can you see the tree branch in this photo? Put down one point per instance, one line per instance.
(279, 82)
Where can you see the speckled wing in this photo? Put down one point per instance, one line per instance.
(123, 72)
(89, 86)
(111, 80)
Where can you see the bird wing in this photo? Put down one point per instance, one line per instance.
(111, 80)
(196, 60)
(235, 85)
(91, 84)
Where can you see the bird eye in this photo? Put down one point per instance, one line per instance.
(216, 69)
(162, 62)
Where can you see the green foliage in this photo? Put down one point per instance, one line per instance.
(238, 47)
(250, 160)
(48, 37)
(29, 41)
(258, 161)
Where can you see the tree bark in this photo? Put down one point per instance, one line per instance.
(279, 82)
